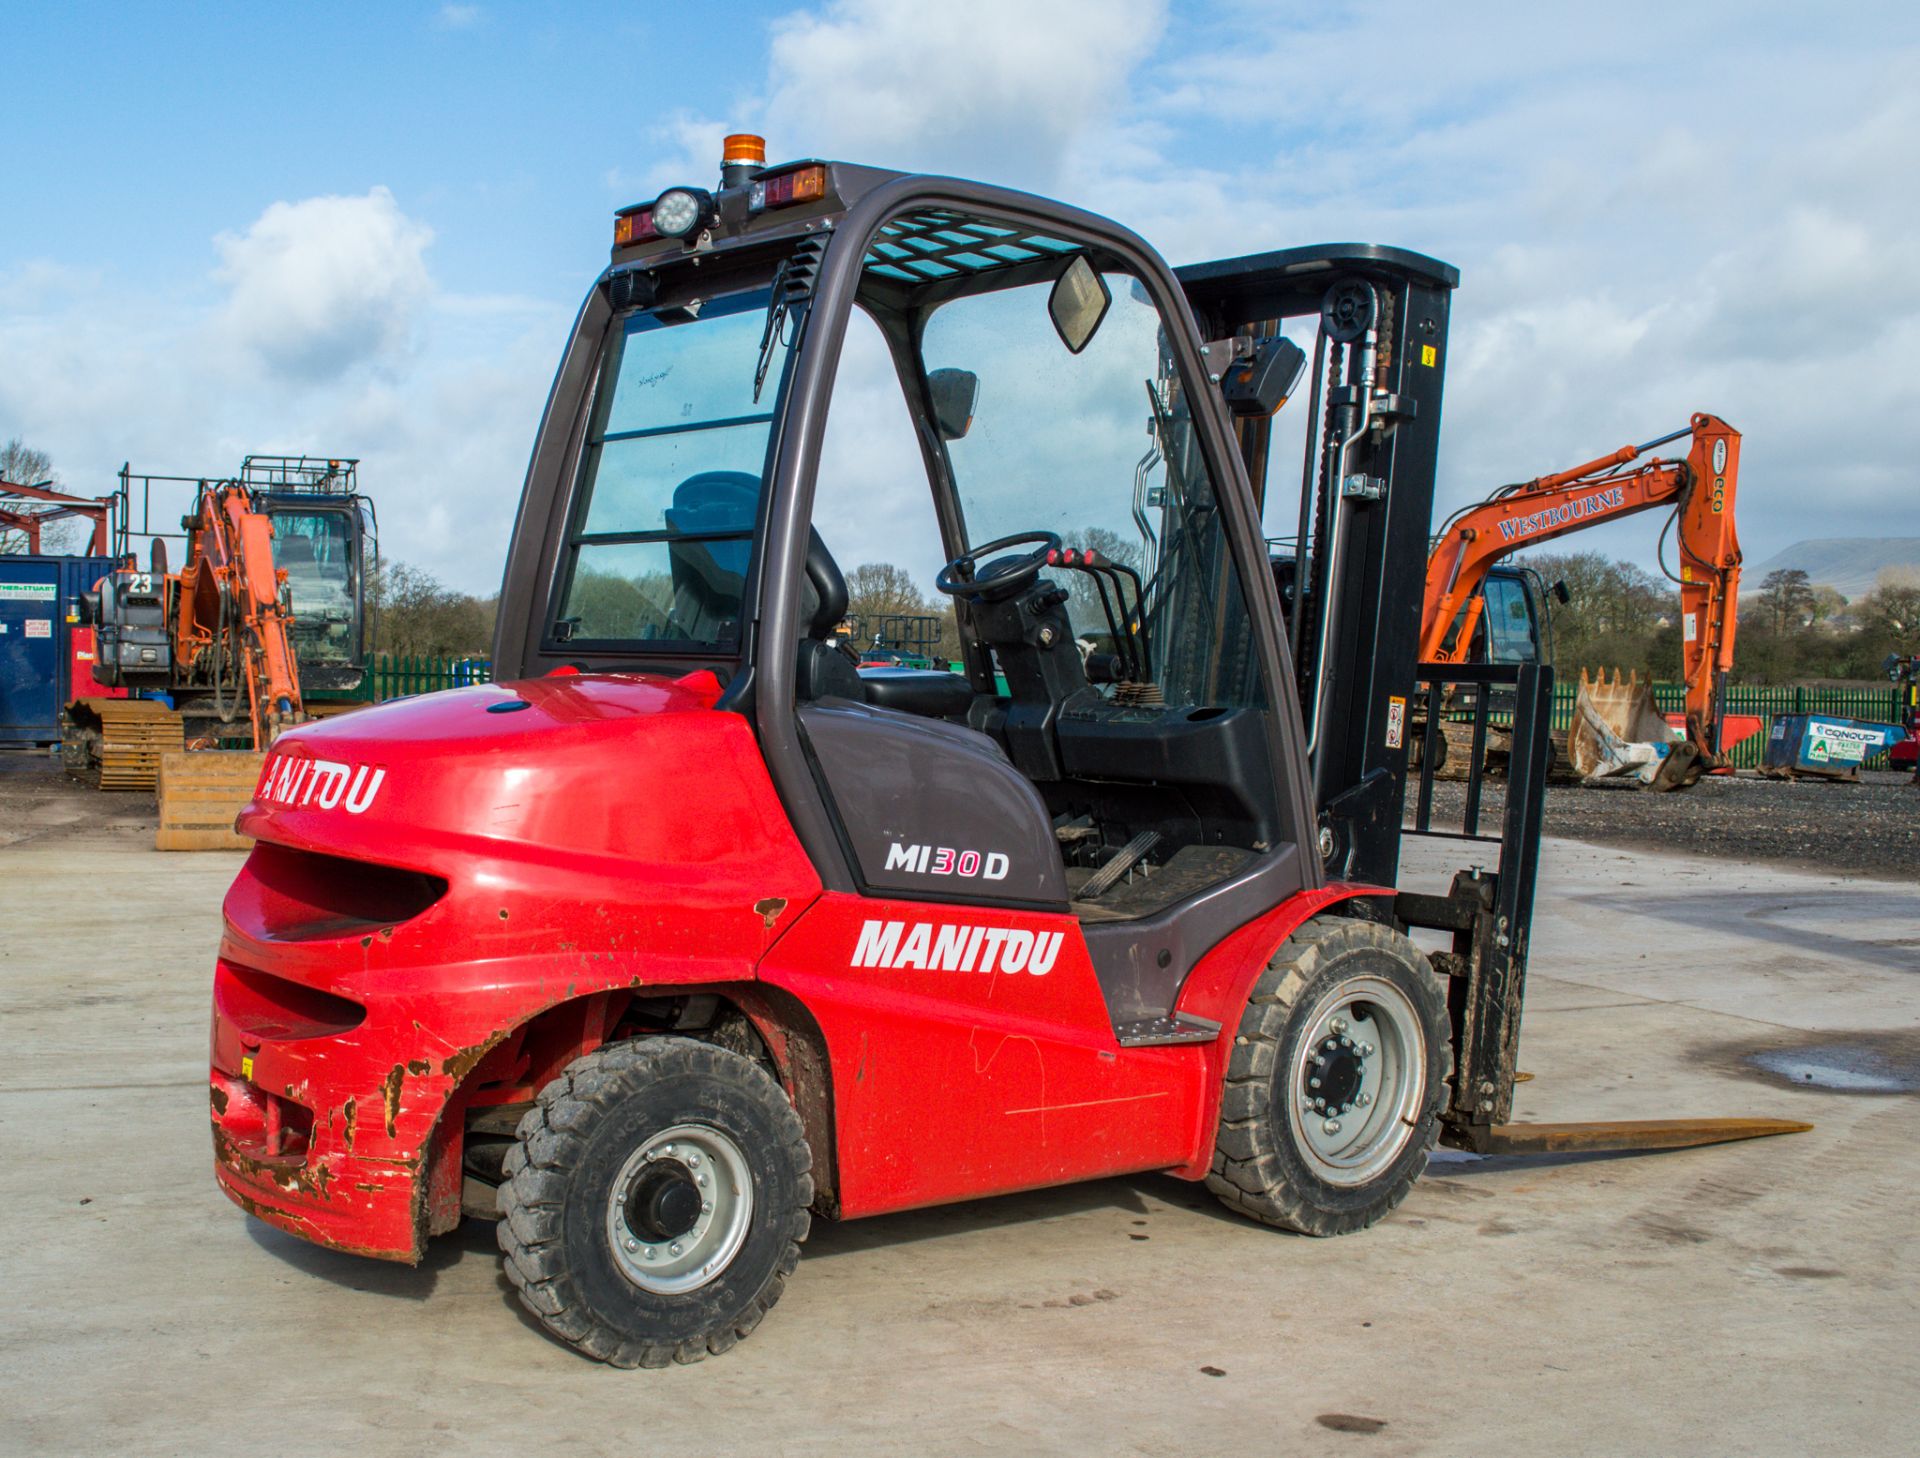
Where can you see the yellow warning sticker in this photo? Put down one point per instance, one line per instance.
(1429, 356)
(246, 1067)
(1396, 722)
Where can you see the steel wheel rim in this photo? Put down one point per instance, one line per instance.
(714, 1166)
(1376, 1093)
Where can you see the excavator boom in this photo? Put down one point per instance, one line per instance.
(1700, 488)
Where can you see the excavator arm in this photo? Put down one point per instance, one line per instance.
(228, 609)
(1701, 487)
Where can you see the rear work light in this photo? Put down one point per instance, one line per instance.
(803, 184)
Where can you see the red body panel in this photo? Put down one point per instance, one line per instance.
(617, 833)
(614, 835)
(82, 648)
(952, 1084)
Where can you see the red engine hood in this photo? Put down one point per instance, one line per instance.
(578, 765)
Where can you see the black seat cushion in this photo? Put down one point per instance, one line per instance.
(925, 691)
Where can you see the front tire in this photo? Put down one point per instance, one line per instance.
(655, 1202)
(1337, 1080)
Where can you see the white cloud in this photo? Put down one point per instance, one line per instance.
(997, 87)
(319, 286)
(457, 17)
(329, 338)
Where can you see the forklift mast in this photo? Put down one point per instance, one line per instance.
(1366, 507)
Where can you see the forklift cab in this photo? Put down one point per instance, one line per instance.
(1120, 747)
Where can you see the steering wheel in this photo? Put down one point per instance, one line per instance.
(1002, 578)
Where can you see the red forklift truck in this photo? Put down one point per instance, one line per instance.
(686, 931)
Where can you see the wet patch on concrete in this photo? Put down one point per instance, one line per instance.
(1843, 1063)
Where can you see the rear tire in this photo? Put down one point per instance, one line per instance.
(1337, 1080)
(655, 1202)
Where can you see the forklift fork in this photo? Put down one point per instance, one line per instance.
(1489, 914)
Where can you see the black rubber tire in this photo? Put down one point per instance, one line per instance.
(571, 1146)
(1257, 1169)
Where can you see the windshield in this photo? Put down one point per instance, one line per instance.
(316, 550)
(676, 449)
(1098, 447)
(1508, 621)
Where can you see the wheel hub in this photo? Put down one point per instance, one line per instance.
(1334, 1075)
(664, 1202)
(680, 1208)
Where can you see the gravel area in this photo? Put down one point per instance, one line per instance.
(39, 803)
(1868, 829)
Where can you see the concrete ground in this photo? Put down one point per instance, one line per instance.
(1755, 1298)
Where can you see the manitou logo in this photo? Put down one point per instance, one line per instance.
(322, 783)
(935, 948)
(1559, 516)
(944, 860)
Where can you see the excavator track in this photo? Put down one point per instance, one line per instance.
(116, 744)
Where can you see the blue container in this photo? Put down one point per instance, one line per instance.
(39, 607)
(1823, 744)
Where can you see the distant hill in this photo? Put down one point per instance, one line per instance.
(1849, 565)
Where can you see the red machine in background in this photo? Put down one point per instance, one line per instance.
(1700, 488)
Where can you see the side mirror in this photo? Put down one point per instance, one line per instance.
(954, 394)
(1259, 382)
(1559, 592)
(1078, 303)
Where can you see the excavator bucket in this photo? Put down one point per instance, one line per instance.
(1618, 733)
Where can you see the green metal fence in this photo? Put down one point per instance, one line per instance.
(399, 676)
(1765, 702)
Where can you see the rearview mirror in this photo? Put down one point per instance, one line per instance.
(1560, 593)
(954, 394)
(1078, 303)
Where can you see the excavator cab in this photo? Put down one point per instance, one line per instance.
(325, 538)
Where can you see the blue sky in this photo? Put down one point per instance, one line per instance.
(363, 229)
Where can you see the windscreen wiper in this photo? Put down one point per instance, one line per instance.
(775, 328)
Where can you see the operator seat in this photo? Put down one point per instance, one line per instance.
(709, 577)
(822, 670)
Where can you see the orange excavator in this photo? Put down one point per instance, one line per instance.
(209, 647)
(1616, 728)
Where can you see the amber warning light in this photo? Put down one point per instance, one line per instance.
(743, 149)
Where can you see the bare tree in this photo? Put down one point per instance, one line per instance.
(22, 465)
(414, 613)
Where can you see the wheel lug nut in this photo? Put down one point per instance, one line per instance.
(1332, 1126)
(648, 1253)
(1339, 1025)
(1313, 1083)
(674, 1249)
(703, 1179)
(632, 1244)
(1366, 1050)
(707, 1208)
(693, 1161)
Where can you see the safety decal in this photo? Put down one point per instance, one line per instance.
(39, 627)
(1396, 721)
(933, 947)
(1429, 356)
